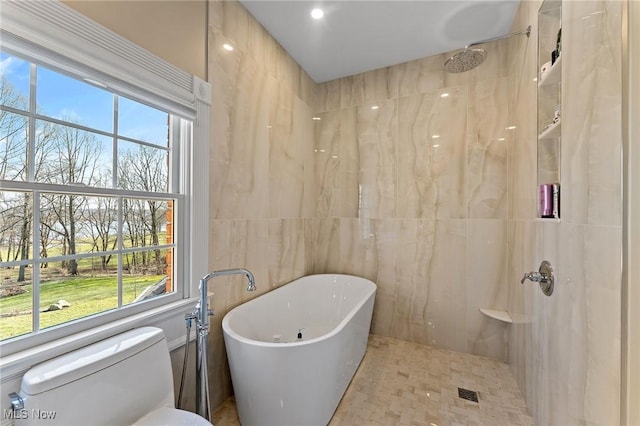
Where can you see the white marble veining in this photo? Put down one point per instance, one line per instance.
(564, 350)
(378, 168)
(487, 145)
(445, 225)
(396, 177)
(413, 160)
(263, 180)
(431, 154)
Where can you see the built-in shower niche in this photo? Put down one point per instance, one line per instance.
(549, 108)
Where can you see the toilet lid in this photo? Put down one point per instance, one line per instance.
(167, 416)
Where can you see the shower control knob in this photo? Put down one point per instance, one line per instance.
(544, 276)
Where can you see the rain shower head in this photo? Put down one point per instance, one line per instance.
(465, 60)
(468, 59)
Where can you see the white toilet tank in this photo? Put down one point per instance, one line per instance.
(115, 381)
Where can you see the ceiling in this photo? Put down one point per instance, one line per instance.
(355, 36)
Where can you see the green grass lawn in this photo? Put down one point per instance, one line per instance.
(87, 296)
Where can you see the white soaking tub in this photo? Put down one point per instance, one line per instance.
(293, 351)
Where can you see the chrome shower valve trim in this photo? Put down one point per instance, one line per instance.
(544, 276)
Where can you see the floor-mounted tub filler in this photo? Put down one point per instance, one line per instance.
(293, 351)
(200, 315)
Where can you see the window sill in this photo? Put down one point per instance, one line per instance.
(169, 317)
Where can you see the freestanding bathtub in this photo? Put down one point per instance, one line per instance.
(293, 351)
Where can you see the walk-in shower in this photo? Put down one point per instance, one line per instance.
(470, 58)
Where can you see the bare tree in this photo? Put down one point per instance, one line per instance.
(67, 155)
(13, 132)
(13, 165)
(45, 143)
(102, 217)
(14, 159)
(10, 223)
(74, 157)
(145, 169)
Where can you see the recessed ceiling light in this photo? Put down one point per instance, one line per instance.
(510, 128)
(375, 107)
(444, 95)
(435, 136)
(317, 13)
(227, 47)
(316, 118)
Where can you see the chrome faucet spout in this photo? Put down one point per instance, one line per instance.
(533, 276)
(237, 271)
(201, 314)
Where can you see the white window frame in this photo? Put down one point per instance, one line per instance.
(60, 36)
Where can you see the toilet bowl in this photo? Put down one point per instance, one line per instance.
(123, 380)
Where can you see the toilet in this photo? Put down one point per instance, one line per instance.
(123, 380)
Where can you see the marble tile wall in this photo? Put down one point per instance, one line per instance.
(411, 194)
(261, 167)
(431, 197)
(411, 172)
(565, 349)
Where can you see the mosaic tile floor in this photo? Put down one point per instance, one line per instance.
(404, 383)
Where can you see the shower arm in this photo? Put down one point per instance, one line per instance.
(527, 32)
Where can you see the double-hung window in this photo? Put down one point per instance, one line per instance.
(96, 196)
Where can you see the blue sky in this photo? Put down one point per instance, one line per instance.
(62, 97)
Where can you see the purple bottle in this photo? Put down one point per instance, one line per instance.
(546, 200)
